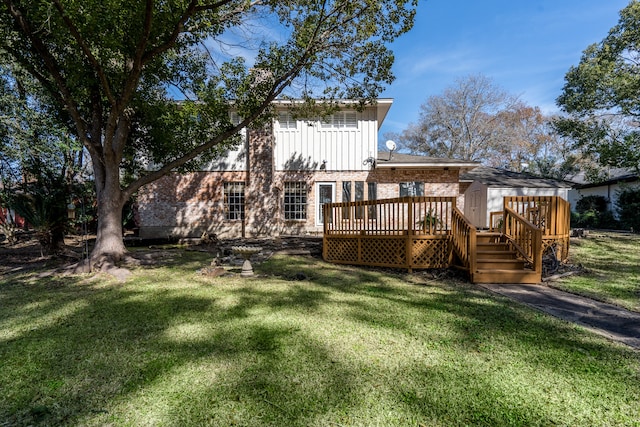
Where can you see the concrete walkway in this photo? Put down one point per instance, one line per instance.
(605, 319)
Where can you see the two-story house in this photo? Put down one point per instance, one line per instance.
(277, 180)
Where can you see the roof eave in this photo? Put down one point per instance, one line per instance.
(461, 166)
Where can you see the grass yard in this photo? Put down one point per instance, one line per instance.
(612, 261)
(341, 347)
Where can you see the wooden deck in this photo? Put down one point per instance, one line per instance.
(431, 232)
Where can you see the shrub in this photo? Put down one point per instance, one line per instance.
(628, 206)
(592, 203)
(592, 212)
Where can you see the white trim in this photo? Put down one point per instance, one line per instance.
(318, 207)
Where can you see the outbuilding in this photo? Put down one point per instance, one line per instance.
(487, 187)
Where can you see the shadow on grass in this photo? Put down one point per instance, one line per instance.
(272, 350)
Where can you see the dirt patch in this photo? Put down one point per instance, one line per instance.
(26, 255)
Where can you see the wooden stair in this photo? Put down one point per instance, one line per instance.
(496, 262)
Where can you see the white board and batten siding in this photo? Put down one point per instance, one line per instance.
(343, 142)
(233, 159)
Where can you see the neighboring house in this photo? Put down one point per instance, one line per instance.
(609, 188)
(485, 188)
(277, 180)
(8, 215)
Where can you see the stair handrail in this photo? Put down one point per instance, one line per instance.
(464, 239)
(525, 237)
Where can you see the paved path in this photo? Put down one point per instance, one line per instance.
(609, 320)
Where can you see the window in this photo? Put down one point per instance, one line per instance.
(340, 119)
(295, 200)
(235, 118)
(286, 121)
(359, 197)
(411, 189)
(324, 194)
(372, 189)
(234, 200)
(346, 197)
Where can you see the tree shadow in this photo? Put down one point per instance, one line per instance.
(218, 352)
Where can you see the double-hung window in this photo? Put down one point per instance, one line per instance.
(411, 189)
(295, 200)
(234, 200)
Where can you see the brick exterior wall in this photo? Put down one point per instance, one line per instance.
(188, 205)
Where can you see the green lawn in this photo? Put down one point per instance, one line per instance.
(612, 261)
(343, 347)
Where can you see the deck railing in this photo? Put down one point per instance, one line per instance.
(464, 239)
(525, 236)
(551, 214)
(406, 232)
(426, 232)
(404, 215)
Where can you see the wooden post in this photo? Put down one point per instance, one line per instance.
(552, 212)
(473, 249)
(537, 251)
(409, 242)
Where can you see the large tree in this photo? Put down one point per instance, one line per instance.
(116, 68)
(601, 95)
(475, 119)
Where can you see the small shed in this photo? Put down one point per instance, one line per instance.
(488, 186)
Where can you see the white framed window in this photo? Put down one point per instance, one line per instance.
(235, 118)
(411, 189)
(325, 193)
(295, 200)
(234, 200)
(341, 120)
(286, 121)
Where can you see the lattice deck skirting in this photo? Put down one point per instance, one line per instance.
(390, 251)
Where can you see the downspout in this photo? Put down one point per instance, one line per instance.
(247, 183)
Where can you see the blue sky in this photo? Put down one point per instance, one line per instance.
(525, 46)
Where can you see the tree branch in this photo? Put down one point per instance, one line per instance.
(87, 51)
(51, 65)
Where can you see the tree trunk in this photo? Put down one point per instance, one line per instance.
(109, 248)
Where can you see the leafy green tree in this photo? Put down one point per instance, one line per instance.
(600, 95)
(39, 159)
(593, 212)
(116, 68)
(628, 205)
(28, 128)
